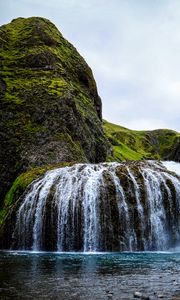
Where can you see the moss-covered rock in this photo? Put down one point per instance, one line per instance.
(50, 110)
(162, 144)
(21, 183)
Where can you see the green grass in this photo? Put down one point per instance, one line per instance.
(135, 145)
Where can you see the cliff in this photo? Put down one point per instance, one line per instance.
(50, 111)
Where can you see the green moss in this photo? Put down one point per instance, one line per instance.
(57, 86)
(21, 183)
(84, 105)
(9, 98)
(18, 188)
(74, 146)
(50, 105)
(30, 128)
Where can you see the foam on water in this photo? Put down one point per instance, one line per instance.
(172, 166)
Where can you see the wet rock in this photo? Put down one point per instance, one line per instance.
(176, 295)
(145, 297)
(141, 296)
(2, 87)
(109, 294)
(138, 294)
(175, 152)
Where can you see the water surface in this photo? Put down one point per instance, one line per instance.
(28, 275)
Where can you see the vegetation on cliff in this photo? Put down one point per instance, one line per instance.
(50, 111)
(161, 144)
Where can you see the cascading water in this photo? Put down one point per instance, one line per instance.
(102, 207)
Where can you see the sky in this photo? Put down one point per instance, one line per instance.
(132, 47)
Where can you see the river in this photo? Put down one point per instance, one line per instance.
(89, 276)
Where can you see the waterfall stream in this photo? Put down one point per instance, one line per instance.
(101, 207)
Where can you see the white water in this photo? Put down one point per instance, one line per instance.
(172, 166)
(103, 207)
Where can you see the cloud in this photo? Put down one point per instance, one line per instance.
(133, 48)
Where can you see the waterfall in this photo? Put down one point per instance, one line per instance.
(172, 166)
(101, 207)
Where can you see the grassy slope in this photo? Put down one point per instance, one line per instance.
(135, 145)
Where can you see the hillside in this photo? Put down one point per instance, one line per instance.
(129, 144)
(50, 111)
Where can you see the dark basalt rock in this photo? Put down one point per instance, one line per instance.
(2, 87)
(175, 152)
(50, 110)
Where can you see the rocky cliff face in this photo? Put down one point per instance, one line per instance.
(175, 150)
(50, 110)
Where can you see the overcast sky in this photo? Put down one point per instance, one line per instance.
(133, 48)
